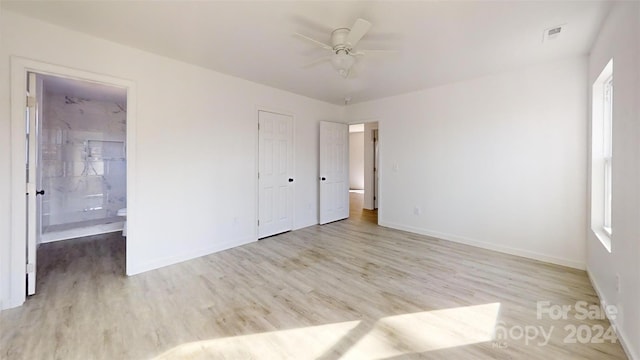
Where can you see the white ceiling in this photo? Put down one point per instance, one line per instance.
(439, 42)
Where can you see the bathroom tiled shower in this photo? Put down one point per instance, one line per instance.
(83, 163)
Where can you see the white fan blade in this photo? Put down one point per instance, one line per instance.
(359, 28)
(316, 42)
(374, 52)
(317, 61)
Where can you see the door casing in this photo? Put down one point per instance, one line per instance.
(17, 256)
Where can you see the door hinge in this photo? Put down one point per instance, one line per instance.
(374, 198)
(258, 126)
(31, 268)
(258, 222)
(258, 175)
(31, 101)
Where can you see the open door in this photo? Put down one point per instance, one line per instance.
(334, 171)
(376, 166)
(33, 185)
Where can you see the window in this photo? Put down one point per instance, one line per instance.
(602, 156)
(607, 116)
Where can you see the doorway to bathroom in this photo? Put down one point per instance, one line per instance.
(82, 158)
(72, 149)
(76, 158)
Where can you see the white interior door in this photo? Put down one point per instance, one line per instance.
(376, 166)
(32, 181)
(275, 173)
(334, 171)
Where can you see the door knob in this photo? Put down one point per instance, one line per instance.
(290, 180)
(41, 192)
(323, 178)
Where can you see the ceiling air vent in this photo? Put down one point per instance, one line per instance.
(553, 33)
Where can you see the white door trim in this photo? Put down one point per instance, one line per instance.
(19, 68)
(380, 185)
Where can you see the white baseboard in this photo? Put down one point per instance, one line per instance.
(619, 331)
(484, 245)
(171, 260)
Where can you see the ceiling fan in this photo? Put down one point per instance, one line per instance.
(343, 42)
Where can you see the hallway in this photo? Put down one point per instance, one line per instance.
(356, 212)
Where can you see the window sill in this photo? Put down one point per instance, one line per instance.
(604, 235)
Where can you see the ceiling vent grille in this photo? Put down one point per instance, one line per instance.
(553, 32)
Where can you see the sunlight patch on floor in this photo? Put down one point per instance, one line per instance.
(303, 343)
(427, 331)
(390, 336)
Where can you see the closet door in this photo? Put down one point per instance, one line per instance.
(275, 174)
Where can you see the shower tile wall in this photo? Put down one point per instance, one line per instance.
(83, 160)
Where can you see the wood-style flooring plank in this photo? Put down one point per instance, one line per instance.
(349, 289)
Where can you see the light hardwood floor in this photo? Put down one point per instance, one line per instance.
(349, 289)
(357, 213)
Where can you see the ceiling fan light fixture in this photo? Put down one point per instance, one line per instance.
(342, 62)
(344, 42)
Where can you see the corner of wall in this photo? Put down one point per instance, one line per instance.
(611, 271)
(620, 334)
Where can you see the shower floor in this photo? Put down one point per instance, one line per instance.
(81, 228)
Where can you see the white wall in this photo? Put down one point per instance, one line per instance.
(498, 162)
(5, 165)
(368, 202)
(356, 160)
(196, 144)
(619, 39)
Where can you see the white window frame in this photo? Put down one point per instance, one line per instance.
(602, 157)
(607, 117)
